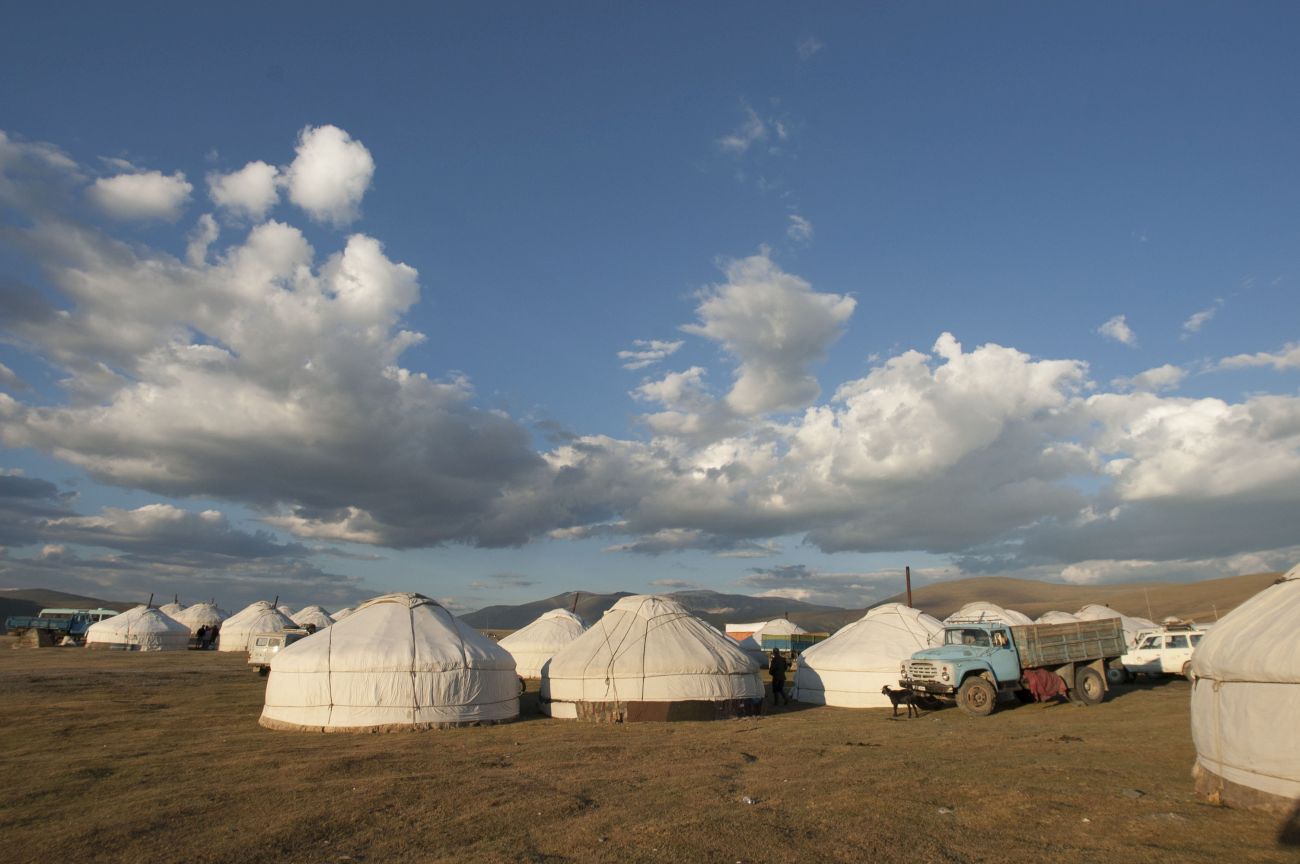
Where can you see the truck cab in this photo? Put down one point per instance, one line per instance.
(264, 646)
(981, 649)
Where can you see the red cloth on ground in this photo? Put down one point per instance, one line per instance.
(1044, 684)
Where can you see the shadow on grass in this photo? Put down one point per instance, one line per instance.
(1289, 833)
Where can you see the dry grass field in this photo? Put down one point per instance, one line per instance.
(119, 758)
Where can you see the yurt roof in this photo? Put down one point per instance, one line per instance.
(555, 628)
(986, 611)
(877, 641)
(1259, 640)
(137, 622)
(198, 614)
(778, 627)
(312, 615)
(1056, 617)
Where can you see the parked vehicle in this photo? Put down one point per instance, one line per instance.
(1167, 651)
(980, 660)
(55, 625)
(266, 645)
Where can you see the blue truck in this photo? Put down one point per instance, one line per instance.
(982, 660)
(52, 626)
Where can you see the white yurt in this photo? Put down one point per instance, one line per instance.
(1132, 626)
(849, 668)
(259, 617)
(981, 610)
(140, 629)
(171, 610)
(398, 662)
(1246, 701)
(201, 615)
(341, 614)
(1055, 617)
(647, 658)
(537, 643)
(312, 615)
(753, 643)
(285, 610)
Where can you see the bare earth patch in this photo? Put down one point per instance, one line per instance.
(118, 757)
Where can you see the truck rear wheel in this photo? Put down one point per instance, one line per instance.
(1089, 688)
(977, 697)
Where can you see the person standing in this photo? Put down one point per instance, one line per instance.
(777, 669)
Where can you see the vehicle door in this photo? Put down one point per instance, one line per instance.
(1004, 659)
(1177, 650)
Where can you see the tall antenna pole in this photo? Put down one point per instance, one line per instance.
(1147, 594)
(907, 572)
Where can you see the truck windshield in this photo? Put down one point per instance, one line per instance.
(978, 638)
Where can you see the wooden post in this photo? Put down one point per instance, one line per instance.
(907, 572)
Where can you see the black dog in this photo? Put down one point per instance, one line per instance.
(907, 697)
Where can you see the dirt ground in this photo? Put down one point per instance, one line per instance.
(118, 758)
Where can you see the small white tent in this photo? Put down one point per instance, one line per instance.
(534, 645)
(981, 610)
(399, 662)
(341, 614)
(849, 668)
(1055, 617)
(200, 615)
(171, 610)
(1132, 626)
(312, 615)
(284, 610)
(259, 617)
(1246, 701)
(753, 643)
(140, 629)
(647, 658)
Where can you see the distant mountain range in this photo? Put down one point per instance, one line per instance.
(1199, 601)
(718, 609)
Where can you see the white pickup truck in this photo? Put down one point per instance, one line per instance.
(1167, 651)
(264, 646)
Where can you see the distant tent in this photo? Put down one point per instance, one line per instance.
(1132, 626)
(259, 617)
(534, 645)
(284, 610)
(201, 615)
(341, 614)
(171, 610)
(139, 629)
(849, 668)
(648, 658)
(753, 643)
(398, 662)
(1245, 701)
(312, 615)
(1055, 617)
(980, 610)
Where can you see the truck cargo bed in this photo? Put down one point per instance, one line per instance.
(1057, 644)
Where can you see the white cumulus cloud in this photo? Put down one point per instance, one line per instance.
(647, 352)
(1117, 328)
(142, 196)
(329, 175)
(1287, 358)
(248, 193)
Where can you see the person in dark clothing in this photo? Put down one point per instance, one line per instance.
(777, 668)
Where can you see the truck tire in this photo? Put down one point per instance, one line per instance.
(977, 697)
(263, 671)
(1089, 688)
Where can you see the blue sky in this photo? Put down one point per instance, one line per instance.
(786, 208)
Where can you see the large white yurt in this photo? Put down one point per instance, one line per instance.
(1132, 626)
(259, 617)
(980, 610)
(315, 615)
(849, 668)
(647, 658)
(534, 645)
(200, 615)
(1055, 617)
(140, 629)
(399, 662)
(1246, 701)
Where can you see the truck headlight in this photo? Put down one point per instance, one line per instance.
(902, 669)
(944, 673)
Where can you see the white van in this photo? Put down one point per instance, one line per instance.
(1167, 651)
(264, 647)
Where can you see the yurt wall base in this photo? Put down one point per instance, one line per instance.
(111, 646)
(1216, 790)
(686, 709)
(282, 726)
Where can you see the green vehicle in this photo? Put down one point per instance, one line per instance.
(982, 660)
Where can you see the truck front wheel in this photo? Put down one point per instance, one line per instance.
(1089, 688)
(977, 697)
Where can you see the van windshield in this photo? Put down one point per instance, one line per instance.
(978, 638)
